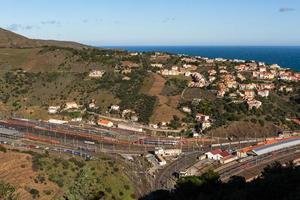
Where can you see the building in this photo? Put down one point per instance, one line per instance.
(249, 94)
(285, 143)
(250, 86)
(166, 72)
(115, 107)
(263, 93)
(96, 73)
(201, 117)
(134, 118)
(217, 154)
(53, 109)
(161, 160)
(57, 121)
(129, 127)
(158, 65)
(186, 109)
(106, 123)
(167, 152)
(228, 159)
(71, 105)
(254, 104)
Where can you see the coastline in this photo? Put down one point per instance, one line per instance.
(285, 56)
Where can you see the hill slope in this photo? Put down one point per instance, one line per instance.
(10, 39)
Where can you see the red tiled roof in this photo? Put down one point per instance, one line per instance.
(217, 151)
(224, 154)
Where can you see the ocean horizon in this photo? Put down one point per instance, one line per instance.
(285, 56)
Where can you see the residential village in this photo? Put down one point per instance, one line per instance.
(238, 80)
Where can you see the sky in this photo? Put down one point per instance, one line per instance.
(156, 22)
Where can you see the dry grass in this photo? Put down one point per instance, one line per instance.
(245, 129)
(16, 169)
(167, 106)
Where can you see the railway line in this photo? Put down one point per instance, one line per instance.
(237, 168)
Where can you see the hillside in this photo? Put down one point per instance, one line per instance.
(157, 89)
(276, 182)
(49, 176)
(10, 39)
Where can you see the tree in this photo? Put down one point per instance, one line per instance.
(7, 192)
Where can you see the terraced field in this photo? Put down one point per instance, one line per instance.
(16, 169)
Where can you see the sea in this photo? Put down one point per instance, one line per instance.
(285, 56)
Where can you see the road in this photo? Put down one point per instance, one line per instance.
(165, 176)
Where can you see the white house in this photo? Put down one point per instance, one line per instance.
(71, 105)
(186, 109)
(217, 154)
(96, 73)
(263, 93)
(115, 107)
(53, 109)
(201, 117)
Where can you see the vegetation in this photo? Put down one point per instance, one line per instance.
(80, 179)
(174, 86)
(7, 191)
(276, 182)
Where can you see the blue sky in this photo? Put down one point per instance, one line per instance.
(156, 22)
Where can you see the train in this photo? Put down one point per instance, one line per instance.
(159, 142)
(40, 139)
(233, 143)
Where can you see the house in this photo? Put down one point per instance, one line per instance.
(223, 71)
(249, 94)
(268, 86)
(186, 109)
(240, 76)
(115, 107)
(254, 104)
(96, 73)
(220, 59)
(285, 88)
(92, 105)
(205, 125)
(158, 65)
(201, 117)
(57, 121)
(134, 54)
(212, 78)
(134, 118)
(167, 152)
(174, 68)
(228, 159)
(126, 71)
(217, 154)
(212, 72)
(262, 68)
(53, 109)
(263, 93)
(266, 75)
(250, 86)
(78, 119)
(187, 73)
(71, 105)
(166, 72)
(106, 123)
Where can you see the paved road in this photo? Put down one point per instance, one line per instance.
(166, 175)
